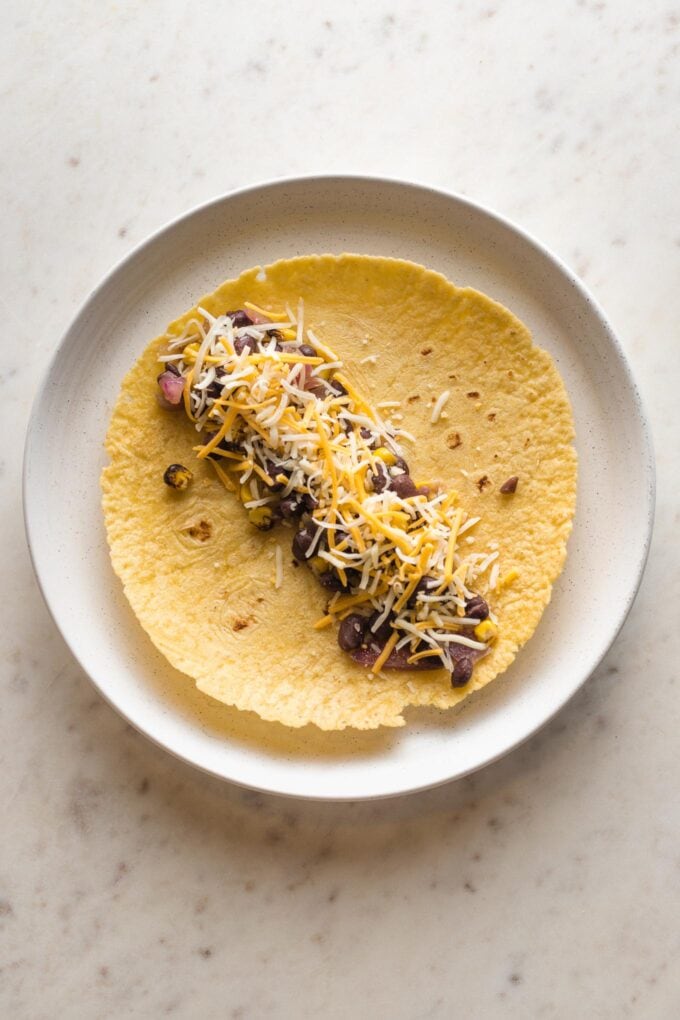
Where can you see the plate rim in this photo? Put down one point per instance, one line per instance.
(648, 463)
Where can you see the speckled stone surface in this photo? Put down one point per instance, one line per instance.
(546, 886)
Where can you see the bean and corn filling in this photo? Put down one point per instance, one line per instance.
(289, 434)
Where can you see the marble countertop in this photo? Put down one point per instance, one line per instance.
(546, 886)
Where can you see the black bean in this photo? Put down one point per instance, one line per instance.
(353, 577)
(476, 608)
(330, 580)
(507, 488)
(404, 486)
(241, 342)
(462, 671)
(381, 635)
(425, 584)
(378, 478)
(306, 350)
(351, 632)
(302, 541)
(309, 502)
(240, 318)
(274, 470)
(401, 465)
(226, 444)
(291, 507)
(365, 433)
(169, 367)
(337, 387)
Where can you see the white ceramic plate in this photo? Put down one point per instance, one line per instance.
(64, 457)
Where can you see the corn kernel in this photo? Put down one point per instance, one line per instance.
(318, 563)
(177, 476)
(386, 456)
(511, 576)
(486, 631)
(262, 517)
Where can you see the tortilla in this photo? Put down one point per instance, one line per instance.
(200, 578)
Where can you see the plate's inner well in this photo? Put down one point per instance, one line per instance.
(202, 580)
(65, 457)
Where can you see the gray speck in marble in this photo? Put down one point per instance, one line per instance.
(545, 101)
(6, 909)
(74, 161)
(121, 871)
(84, 803)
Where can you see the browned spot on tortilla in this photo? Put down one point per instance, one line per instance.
(491, 417)
(452, 376)
(511, 374)
(453, 440)
(412, 400)
(527, 442)
(483, 483)
(240, 624)
(426, 350)
(473, 394)
(201, 531)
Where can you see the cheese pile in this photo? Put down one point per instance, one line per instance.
(280, 422)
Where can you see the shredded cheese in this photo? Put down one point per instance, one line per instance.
(278, 424)
(439, 406)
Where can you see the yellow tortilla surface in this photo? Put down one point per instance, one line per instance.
(200, 578)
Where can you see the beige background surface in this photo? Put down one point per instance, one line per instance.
(547, 886)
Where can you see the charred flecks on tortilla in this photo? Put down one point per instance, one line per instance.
(292, 438)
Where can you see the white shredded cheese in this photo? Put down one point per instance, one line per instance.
(439, 406)
(288, 422)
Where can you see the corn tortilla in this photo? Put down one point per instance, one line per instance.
(200, 578)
